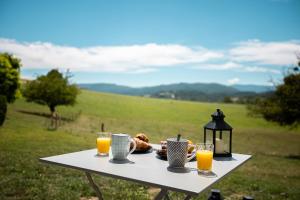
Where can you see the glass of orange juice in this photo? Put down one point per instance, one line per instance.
(204, 156)
(103, 143)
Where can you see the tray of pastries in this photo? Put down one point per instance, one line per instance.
(162, 152)
(142, 144)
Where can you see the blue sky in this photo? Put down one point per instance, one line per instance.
(140, 43)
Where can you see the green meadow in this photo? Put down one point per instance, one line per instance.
(272, 173)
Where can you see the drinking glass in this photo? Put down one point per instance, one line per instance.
(103, 143)
(204, 156)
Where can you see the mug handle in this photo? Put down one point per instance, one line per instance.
(193, 156)
(134, 146)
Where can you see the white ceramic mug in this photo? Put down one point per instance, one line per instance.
(120, 146)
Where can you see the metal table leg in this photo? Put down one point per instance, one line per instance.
(95, 187)
(188, 197)
(163, 192)
(167, 197)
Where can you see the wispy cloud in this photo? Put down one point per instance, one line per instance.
(133, 58)
(218, 66)
(143, 71)
(257, 57)
(237, 66)
(261, 69)
(269, 53)
(233, 81)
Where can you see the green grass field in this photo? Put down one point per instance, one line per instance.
(272, 173)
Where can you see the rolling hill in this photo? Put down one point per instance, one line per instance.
(253, 88)
(207, 88)
(182, 91)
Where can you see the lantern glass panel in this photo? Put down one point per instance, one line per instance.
(209, 136)
(222, 142)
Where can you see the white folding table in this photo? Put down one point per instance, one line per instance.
(149, 170)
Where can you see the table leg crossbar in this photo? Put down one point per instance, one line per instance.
(163, 194)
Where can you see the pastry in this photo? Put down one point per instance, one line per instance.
(191, 146)
(162, 153)
(141, 141)
(142, 137)
(141, 145)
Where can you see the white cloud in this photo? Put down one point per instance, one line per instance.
(233, 81)
(269, 53)
(236, 66)
(248, 56)
(143, 71)
(133, 58)
(257, 56)
(219, 66)
(261, 69)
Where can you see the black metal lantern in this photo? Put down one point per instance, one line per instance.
(219, 133)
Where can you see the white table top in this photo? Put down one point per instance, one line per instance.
(148, 169)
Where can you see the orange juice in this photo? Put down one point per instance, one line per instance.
(204, 160)
(103, 145)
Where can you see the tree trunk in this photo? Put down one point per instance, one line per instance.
(3, 109)
(54, 117)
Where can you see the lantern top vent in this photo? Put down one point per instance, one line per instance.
(217, 122)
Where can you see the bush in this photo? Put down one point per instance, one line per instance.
(283, 105)
(9, 81)
(227, 99)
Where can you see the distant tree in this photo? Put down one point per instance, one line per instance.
(52, 90)
(283, 106)
(9, 82)
(227, 99)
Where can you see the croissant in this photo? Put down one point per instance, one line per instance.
(142, 137)
(141, 145)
